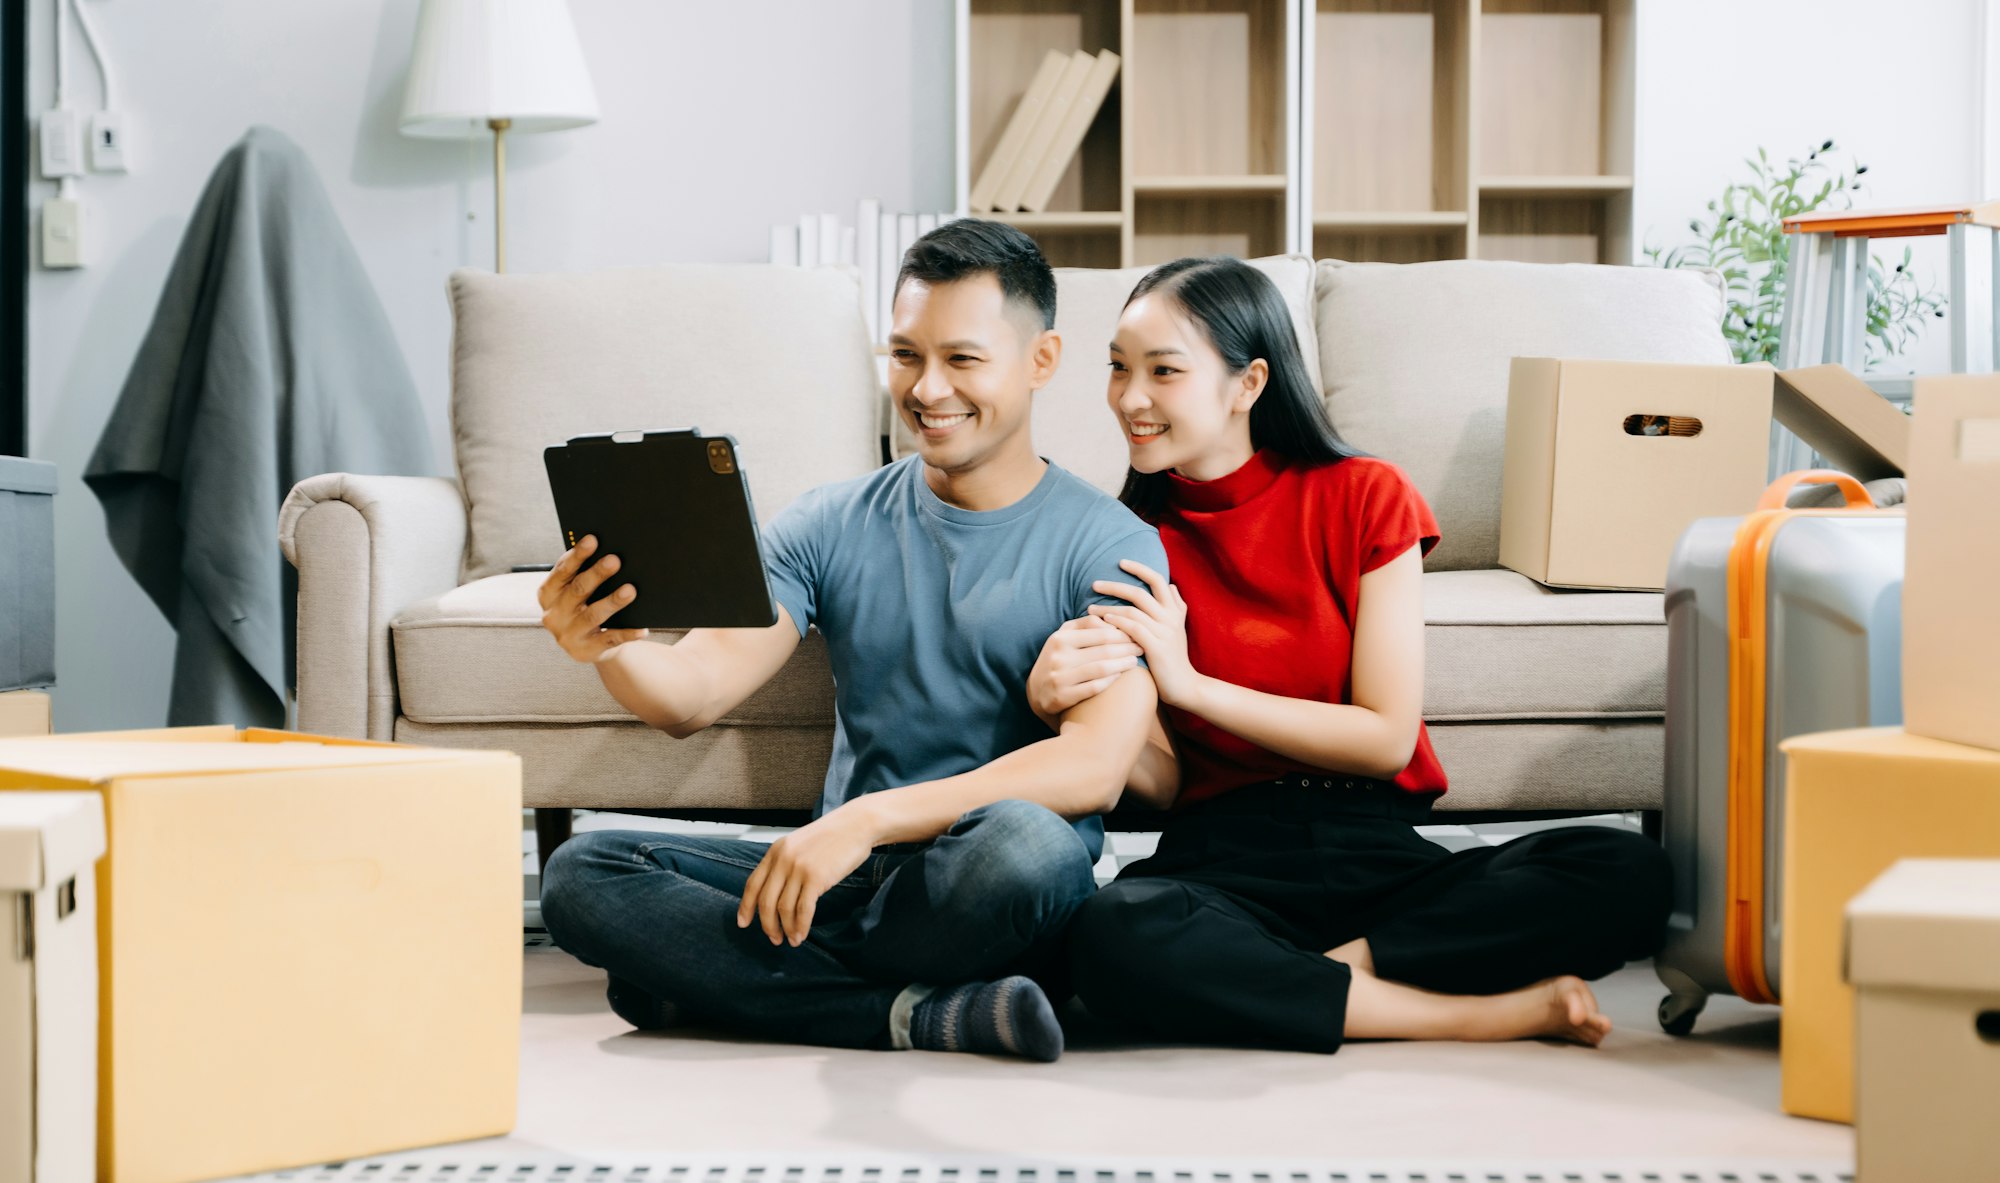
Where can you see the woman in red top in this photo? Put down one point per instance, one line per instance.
(1292, 903)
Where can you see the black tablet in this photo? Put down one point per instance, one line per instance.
(675, 508)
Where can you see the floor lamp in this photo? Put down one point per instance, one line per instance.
(498, 66)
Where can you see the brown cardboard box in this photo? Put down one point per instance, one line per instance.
(48, 986)
(24, 712)
(1842, 418)
(1923, 955)
(1584, 502)
(1856, 801)
(311, 949)
(1951, 581)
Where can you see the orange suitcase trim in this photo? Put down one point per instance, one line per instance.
(1749, 558)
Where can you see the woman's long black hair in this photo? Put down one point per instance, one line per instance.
(1245, 318)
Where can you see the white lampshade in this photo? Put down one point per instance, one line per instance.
(477, 60)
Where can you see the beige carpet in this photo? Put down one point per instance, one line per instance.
(593, 1088)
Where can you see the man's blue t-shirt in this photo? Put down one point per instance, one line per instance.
(933, 615)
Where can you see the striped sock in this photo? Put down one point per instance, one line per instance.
(1010, 1017)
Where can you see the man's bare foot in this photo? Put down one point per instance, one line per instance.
(1561, 1008)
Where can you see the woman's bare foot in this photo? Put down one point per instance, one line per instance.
(1559, 1008)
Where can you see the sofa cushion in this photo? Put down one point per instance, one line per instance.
(479, 654)
(776, 356)
(1415, 360)
(1499, 646)
(1073, 425)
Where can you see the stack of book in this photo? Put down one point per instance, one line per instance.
(1048, 127)
(874, 244)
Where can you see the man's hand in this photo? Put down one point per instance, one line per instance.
(784, 890)
(1080, 660)
(576, 624)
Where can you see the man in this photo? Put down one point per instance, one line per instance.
(955, 837)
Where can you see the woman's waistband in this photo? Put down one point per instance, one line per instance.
(1301, 797)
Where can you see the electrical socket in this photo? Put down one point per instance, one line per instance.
(62, 233)
(107, 142)
(62, 144)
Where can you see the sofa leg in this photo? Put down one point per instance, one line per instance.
(552, 829)
(1649, 824)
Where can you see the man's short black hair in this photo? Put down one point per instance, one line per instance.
(973, 246)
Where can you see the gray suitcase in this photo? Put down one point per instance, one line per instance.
(1830, 657)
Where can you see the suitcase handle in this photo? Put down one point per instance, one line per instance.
(1775, 496)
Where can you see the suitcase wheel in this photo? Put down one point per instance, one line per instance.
(1678, 1012)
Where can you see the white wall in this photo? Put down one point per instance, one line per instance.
(1896, 85)
(718, 119)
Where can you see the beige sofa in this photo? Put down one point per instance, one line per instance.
(412, 628)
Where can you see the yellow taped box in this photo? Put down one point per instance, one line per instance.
(310, 948)
(1857, 801)
(24, 712)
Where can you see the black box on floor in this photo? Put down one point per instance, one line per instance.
(27, 573)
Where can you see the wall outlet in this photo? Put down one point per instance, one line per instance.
(62, 233)
(107, 142)
(62, 144)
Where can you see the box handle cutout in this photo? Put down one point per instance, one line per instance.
(1988, 1025)
(1979, 441)
(1684, 426)
(66, 898)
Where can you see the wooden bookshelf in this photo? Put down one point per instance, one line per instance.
(1393, 130)
(1555, 130)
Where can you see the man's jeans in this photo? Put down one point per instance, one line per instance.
(989, 897)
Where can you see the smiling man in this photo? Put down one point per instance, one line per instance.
(955, 836)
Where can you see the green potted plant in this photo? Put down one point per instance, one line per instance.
(1742, 238)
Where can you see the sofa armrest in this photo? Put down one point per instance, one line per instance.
(365, 547)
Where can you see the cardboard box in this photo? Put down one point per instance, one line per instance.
(27, 573)
(1923, 956)
(311, 948)
(1589, 499)
(1854, 429)
(24, 712)
(1951, 584)
(49, 843)
(1856, 801)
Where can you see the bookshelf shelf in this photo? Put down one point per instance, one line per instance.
(1107, 220)
(1554, 186)
(1393, 130)
(1391, 221)
(1218, 186)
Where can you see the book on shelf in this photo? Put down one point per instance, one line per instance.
(1068, 136)
(829, 240)
(809, 240)
(1043, 133)
(888, 263)
(784, 246)
(867, 225)
(1008, 149)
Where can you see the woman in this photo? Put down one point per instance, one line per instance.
(1291, 902)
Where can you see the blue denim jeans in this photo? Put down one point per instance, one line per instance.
(989, 897)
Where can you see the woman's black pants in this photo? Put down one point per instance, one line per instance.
(1221, 936)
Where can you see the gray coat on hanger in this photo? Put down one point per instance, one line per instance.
(269, 360)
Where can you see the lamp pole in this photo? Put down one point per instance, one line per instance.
(499, 127)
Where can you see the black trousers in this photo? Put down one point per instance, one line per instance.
(1221, 936)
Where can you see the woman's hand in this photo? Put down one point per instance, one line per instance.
(1079, 661)
(1156, 621)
